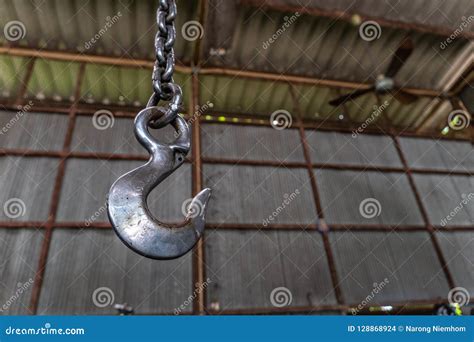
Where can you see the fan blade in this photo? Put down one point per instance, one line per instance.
(400, 57)
(347, 97)
(403, 97)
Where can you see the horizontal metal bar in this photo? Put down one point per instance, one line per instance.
(140, 63)
(227, 161)
(246, 226)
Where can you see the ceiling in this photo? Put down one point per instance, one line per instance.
(319, 40)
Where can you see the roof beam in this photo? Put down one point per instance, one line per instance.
(142, 63)
(348, 15)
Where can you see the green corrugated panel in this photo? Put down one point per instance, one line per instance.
(12, 73)
(53, 80)
(123, 85)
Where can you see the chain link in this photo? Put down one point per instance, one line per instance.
(163, 86)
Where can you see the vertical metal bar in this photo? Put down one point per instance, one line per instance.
(198, 253)
(322, 226)
(419, 202)
(36, 291)
(24, 84)
(424, 214)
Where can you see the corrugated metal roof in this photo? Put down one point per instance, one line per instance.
(444, 196)
(70, 25)
(20, 249)
(36, 131)
(322, 47)
(27, 182)
(243, 194)
(367, 197)
(357, 149)
(438, 154)
(406, 259)
(112, 135)
(459, 250)
(95, 259)
(251, 143)
(245, 267)
(87, 183)
(434, 13)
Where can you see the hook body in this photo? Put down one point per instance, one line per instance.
(127, 201)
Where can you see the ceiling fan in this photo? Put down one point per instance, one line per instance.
(384, 83)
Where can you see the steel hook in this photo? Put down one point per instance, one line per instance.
(127, 201)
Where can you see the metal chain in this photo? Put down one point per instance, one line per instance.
(163, 86)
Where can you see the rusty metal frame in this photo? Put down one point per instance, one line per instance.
(197, 160)
(38, 281)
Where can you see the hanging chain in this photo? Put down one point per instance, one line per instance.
(163, 86)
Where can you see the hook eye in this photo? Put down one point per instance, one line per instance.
(181, 144)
